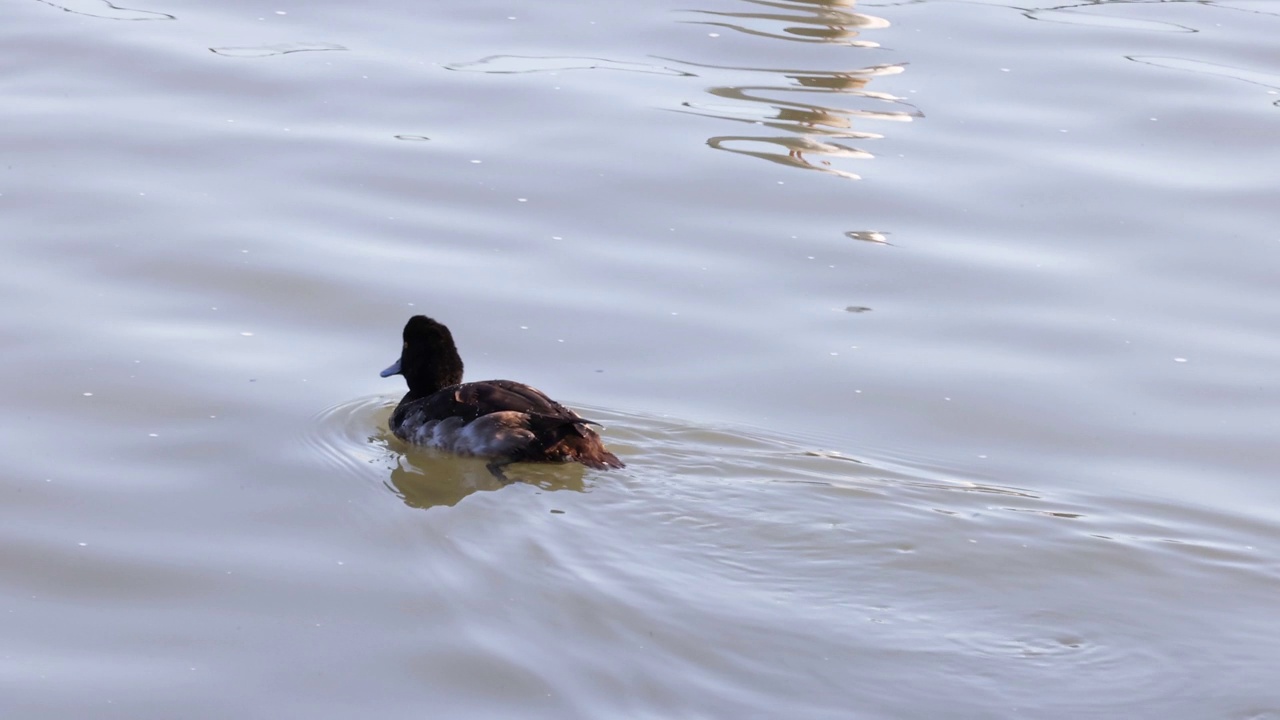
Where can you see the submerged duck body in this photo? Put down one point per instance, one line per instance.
(502, 420)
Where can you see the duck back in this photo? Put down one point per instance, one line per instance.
(504, 419)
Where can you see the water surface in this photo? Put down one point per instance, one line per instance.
(938, 338)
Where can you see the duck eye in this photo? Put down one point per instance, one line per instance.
(404, 345)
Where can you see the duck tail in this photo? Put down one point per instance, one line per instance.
(599, 458)
(586, 447)
(576, 442)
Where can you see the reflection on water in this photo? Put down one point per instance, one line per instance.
(815, 108)
(813, 127)
(796, 149)
(871, 236)
(421, 489)
(815, 21)
(425, 479)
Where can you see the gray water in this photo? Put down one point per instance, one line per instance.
(939, 339)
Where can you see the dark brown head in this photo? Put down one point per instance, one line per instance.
(428, 360)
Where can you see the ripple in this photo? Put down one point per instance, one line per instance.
(105, 10)
(518, 64)
(258, 51)
(1072, 15)
(706, 460)
(713, 533)
(1102, 664)
(1059, 644)
(353, 435)
(1253, 77)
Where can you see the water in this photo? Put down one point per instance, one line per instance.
(938, 338)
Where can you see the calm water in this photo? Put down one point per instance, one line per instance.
(939, 338)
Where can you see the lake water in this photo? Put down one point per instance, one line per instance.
(939, 339)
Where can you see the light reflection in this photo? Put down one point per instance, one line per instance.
(814, 127)
(871, 236)
(795, 148)
(815, 21)
(819, 112)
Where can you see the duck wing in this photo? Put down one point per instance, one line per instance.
(472, 400)
(558, 433)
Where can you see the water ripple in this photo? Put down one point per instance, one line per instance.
(1072, 15)
(519, 64)
(1253, 77)
(105, 10)
(259, 51)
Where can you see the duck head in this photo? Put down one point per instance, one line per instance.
(429, 359)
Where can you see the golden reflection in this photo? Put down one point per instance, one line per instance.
(816, 21)
(426, 479)
(818, 111)
(795, 151)
(813, 127)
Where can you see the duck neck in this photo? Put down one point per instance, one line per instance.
(441, 374)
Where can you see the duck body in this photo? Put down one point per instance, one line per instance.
(502, 420)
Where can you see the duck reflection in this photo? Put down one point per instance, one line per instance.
(426, 479)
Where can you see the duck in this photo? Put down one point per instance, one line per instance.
(502, 421)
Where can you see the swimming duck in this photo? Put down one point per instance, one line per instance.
(502, 420)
